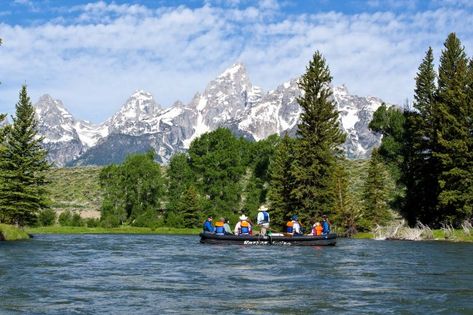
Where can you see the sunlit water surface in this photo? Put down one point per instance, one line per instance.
(155, 274)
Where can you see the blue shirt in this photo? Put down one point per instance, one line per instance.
(209, 227)
(325, 227)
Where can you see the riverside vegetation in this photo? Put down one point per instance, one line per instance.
(420, 172)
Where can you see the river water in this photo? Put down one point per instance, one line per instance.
(156, 274)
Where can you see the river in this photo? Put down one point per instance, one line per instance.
(157, 274)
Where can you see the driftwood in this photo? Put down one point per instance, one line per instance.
(401, 231)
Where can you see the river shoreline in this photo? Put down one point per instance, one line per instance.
(438, 235)
(56, 229)
(12, 233)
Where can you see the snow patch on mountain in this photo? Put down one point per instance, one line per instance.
(228, 101)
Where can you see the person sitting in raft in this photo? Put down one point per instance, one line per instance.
(228, 230)
(263, 219)
(208, 226)
(317, 229)
(325, 225)
(243, 227)
(293, 227)
(220, 227)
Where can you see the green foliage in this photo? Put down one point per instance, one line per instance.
(12, 233)
(76, 220)
(150, 219)
(92, 222)
(256, 190)
(419, 167)
(347, 210)
(282, 182)
(216, 160)
(131, 189)
(47, 217)
(22, 168)
(376, 194)
(389, 121)
(431, 147)
(65, 218)
(318, 143)
(453, 151)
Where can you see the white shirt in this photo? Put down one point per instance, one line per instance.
(260, 218)
(296, 227)
(238, 226)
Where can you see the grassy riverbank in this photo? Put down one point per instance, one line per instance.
(56, 229)
(12, 233)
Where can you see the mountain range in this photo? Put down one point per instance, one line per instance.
(230, 101)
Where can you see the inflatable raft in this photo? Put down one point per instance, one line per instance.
(305, 240)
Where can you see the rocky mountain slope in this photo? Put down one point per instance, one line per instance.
(228, 101)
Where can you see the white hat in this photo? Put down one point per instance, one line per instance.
(243, 217)
(263, 208)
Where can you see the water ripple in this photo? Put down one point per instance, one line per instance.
(151, 274)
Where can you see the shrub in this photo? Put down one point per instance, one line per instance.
(174, 220)
(110, 221)
(148, 219)
(47, 217)
(65, 218)
(91, 222)
(76, 220)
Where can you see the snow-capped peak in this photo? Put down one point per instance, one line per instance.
(49, 107)
(235, 69)
(340, 90)
(139, 106)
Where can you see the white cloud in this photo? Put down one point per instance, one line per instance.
(108, 50)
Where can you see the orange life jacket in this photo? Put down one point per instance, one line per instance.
(317, 230)
(244, 227)
(289, 227)
(219, 229)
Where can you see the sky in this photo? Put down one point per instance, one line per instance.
(94, 55)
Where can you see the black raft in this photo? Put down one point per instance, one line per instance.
(306, 240)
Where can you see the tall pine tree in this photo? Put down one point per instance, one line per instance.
(319, 138)
(453, 134)
(419, 166)
(23, 163)
(376, 193)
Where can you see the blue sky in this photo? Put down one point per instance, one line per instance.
(93, 55)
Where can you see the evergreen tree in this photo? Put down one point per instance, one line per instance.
(453, 134)
(23, 165)
(346, 210)
(376, 193)
(281, 182)
(319, 140)
(419, 167)
(190, 208)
